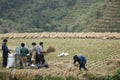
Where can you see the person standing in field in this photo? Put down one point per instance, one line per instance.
(40, 55)
(34, 53)
(23, 52)
(81, 61)
(5, 52)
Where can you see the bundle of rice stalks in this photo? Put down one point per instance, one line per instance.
(51, 49)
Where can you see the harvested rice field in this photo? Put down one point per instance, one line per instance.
(102, 58)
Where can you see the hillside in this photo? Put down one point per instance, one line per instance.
(110, 21)
(55, 15)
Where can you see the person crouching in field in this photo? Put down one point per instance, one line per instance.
(81, 61)
(24, 51)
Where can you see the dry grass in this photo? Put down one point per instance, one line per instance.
(91, 35)
(58, 69)
(113, 64)
(97, 51)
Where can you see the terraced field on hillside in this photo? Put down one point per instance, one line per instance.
(110, 22)
(83, 15)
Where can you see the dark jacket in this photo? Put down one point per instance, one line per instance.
(24, 51)
(5, 50)
(80, 59)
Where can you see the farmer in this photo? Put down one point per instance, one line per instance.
(18, 61)
(40, 55)
(24, 51)
(81, 60)
(5, 52)
(34, 52)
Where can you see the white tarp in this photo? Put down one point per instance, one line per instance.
(63, 54)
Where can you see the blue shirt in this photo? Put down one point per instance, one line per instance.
(40, 49)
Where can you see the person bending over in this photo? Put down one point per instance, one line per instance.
(81, 61)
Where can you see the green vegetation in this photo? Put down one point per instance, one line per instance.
(50, 15)
(71, 78)
(3, 75)
(7, 76)
(116, 76)
(110, 21)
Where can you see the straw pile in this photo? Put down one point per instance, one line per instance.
(51, 49)
(62, 35)
(59, 69)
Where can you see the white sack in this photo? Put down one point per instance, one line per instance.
(10, 60)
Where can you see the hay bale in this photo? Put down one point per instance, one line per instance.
(51, 49)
